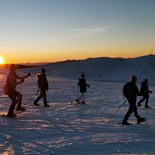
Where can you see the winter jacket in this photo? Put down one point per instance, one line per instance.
(83, 85)
(144, 90)
(11, 82)
(130, 90)
(42, 81)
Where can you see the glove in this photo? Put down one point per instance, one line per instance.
(22, 81)
(28, 74)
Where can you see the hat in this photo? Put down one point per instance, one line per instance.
(146, 80)
(43, 70)
(133, 78)
(12, 66)
(82, 75)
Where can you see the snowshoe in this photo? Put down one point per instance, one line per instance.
(125, 123)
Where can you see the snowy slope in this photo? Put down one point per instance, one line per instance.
(71, 129)
(105, 69)
(67, 129)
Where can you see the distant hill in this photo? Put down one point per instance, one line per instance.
(4, 67)
(19, 66)
(104, 68)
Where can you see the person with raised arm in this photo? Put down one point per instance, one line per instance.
(12, 81)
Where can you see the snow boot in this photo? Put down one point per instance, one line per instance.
(83, 102)
(146, 106)
(77, 101)
(35, 103)
(140, 120)
(20, 109)
(47, 105)
(11, 115)
(139, 105)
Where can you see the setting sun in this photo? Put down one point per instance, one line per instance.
(2, 61)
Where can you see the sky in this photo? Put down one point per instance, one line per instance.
(57, 30)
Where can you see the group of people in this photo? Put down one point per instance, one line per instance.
(130, 91)
(13, 80)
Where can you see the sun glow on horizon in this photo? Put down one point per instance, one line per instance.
(2, 60)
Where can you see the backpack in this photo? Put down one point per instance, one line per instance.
(126, 90)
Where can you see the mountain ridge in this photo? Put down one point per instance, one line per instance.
(104, 68)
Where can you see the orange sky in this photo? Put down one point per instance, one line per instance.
(48, 31)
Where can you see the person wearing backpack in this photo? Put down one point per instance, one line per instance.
(43, 87)
(12, 81)
(131, 91)
(144, 91)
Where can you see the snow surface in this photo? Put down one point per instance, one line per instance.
(73, 129)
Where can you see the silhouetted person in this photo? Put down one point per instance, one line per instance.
(10, 89)
(144, 91)
(130, 91)
(83, 89)
(43, 87)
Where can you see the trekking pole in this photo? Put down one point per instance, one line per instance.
(34, 80)
(77, 92)
(146, 113)
(32, 98)
(120, 107)
(75, 97)
(44, 96)
(146, 116)
(21, 87)
(34, 95)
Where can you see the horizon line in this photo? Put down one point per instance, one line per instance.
(47, 62)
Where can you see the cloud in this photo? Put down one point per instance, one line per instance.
(78, 33)
(90, 30)
(93, 30)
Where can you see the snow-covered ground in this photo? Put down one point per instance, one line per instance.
(73, 129)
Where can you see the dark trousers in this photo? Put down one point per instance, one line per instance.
(16, 98)
(143, 99)
(132, 108)
(42, 95)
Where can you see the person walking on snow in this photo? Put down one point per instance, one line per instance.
(144, 91)
(43, 87)
(12, 81)
(130, 91)
(83, 89)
